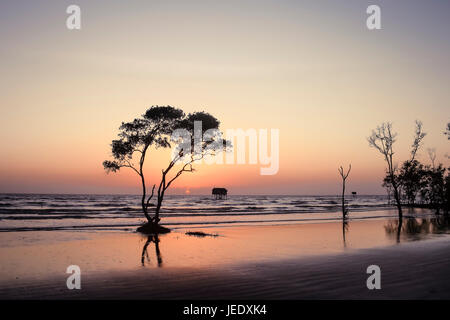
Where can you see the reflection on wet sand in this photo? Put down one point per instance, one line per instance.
(145, 256)
(100, 252)
(395, 231)
(345, 227)
(417, 228)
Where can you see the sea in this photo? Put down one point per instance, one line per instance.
(39, 212)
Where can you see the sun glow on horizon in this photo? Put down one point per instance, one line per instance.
(325, 86)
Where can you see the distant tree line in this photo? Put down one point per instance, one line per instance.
(422, 185)
(413, 184)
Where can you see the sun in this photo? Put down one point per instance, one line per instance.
(187, 191)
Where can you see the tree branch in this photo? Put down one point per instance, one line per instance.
(150, 197)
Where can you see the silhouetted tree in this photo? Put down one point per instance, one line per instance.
(418, 137)
(447, 192)
(387, 185)
(136, 137)
(204, 140)
(344, 177)
(433, 192)
(412, 178)
(383, 139)
(430, 182)
(156, 128)
(412, 173)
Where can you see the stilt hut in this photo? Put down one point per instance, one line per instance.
(219, 193)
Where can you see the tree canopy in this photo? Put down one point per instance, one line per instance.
(158, 128)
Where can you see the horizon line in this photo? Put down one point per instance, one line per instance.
(208, 194)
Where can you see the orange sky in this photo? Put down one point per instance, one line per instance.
(311, 70)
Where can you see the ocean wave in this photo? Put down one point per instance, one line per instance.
(49, 210)
(182, 224)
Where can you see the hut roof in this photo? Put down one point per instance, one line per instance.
(219, 191)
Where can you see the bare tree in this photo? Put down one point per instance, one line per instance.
(418, 137)
(383, 139)
(344, 177)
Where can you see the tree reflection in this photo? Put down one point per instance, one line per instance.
(417, 228)
(345, 226)
(145, 257)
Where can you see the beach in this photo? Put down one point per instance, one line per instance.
(296, 261)
(264, 151)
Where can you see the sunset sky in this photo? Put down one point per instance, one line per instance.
(311, 69)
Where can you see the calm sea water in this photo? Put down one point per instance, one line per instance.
(21, 212)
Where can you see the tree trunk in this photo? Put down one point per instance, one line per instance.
(343, 199)
(143, 203)
(397, 198)
(144, 191)
(158, 208)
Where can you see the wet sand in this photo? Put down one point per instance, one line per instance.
(309, 261)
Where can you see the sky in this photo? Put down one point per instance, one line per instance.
(311, 69)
